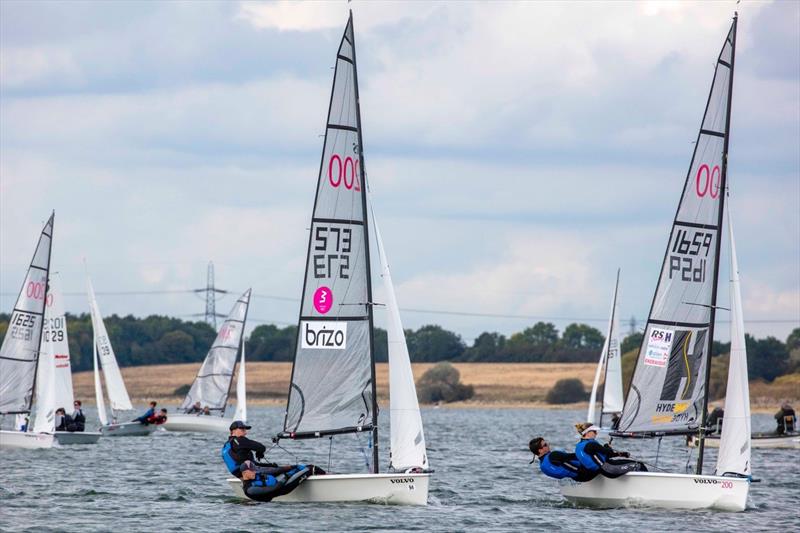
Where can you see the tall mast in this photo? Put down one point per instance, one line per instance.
(723, 189)
(375, 466)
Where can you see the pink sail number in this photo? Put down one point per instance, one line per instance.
(323, 300)
(708, 184)
(346, 172)
(35, 290)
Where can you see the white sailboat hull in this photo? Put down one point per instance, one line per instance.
(203, 424)
(388, 489)
(24, 440)
(658, 489)
(756, 441)
(127, 429)
(77, 437)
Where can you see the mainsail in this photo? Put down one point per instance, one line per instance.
(212, 385)
(19, 354)
(610, 361)
(668, 392)
(407, 437)
(55, 338)
(117, 393)
(734, 446)
(333, 387)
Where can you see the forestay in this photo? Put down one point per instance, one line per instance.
(117, 393)
(734, 447)
(407, 437)
(668, 390)
(212, 385)
(332, 385)
(19, 353)
(55, 338)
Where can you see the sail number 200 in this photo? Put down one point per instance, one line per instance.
(337, 264)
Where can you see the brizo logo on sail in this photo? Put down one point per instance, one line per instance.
(324, 335)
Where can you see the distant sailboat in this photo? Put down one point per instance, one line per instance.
(668, 394)
(211, 387)
(611, 362)
(21, 357)
(333, 390)
(118, 399)
(56, 348)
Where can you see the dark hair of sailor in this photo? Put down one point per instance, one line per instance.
(535, 445)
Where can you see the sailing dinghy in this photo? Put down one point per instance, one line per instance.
(668, 394)
(211, 387)
(56, 345)
(332, 391)
(103, 355)
(20, 356)
(611, 362)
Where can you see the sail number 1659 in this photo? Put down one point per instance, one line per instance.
(686, 259)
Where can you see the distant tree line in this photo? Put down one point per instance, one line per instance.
(162, 340)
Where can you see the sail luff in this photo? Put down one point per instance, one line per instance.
(667, 388)
(240, 352)
(723, 193)
(98, 387)
(241, 389)
(44, 421)
(602, 365)
(364, 188)
(19, 352)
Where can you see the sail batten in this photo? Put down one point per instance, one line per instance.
(19, 353)
(668, 390)
(332, 383)
(211, 386)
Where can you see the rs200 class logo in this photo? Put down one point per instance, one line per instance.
(318, 335)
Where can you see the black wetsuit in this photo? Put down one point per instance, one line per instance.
(714, 421)
(78, 421)
(66, 421)
(783, 424)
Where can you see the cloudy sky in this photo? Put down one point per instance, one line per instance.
(518, 152)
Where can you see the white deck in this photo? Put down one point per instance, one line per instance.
(389, 489)
(662, 490)
(24, 440)
(198, 423)
(756, 441)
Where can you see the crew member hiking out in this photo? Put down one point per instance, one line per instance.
(558, 464)
(261, 481)
(148, 415)
(602, 458)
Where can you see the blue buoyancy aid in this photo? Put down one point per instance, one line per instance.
(568, 469)
(587, 460)
(230, 462)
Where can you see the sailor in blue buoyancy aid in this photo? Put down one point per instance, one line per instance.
(602, 458)
(262, 481)
(558, 464)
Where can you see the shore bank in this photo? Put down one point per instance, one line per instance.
(497, 385)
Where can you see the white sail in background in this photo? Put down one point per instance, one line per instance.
(45, 414)
(407, 437)
(117, 393)
(98, 388)
(212, 384)
(241, 391)
(610, 361)
(55, 339)
(19, 352)
(734, 446)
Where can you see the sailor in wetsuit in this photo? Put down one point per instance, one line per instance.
(602, 458)
(558, 464)
(241, 454)
(786, 418)
(78, 418)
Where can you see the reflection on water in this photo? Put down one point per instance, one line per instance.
(176, 481)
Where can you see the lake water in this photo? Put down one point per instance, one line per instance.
(176, 482)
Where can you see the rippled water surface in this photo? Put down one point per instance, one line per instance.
(176, 481)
